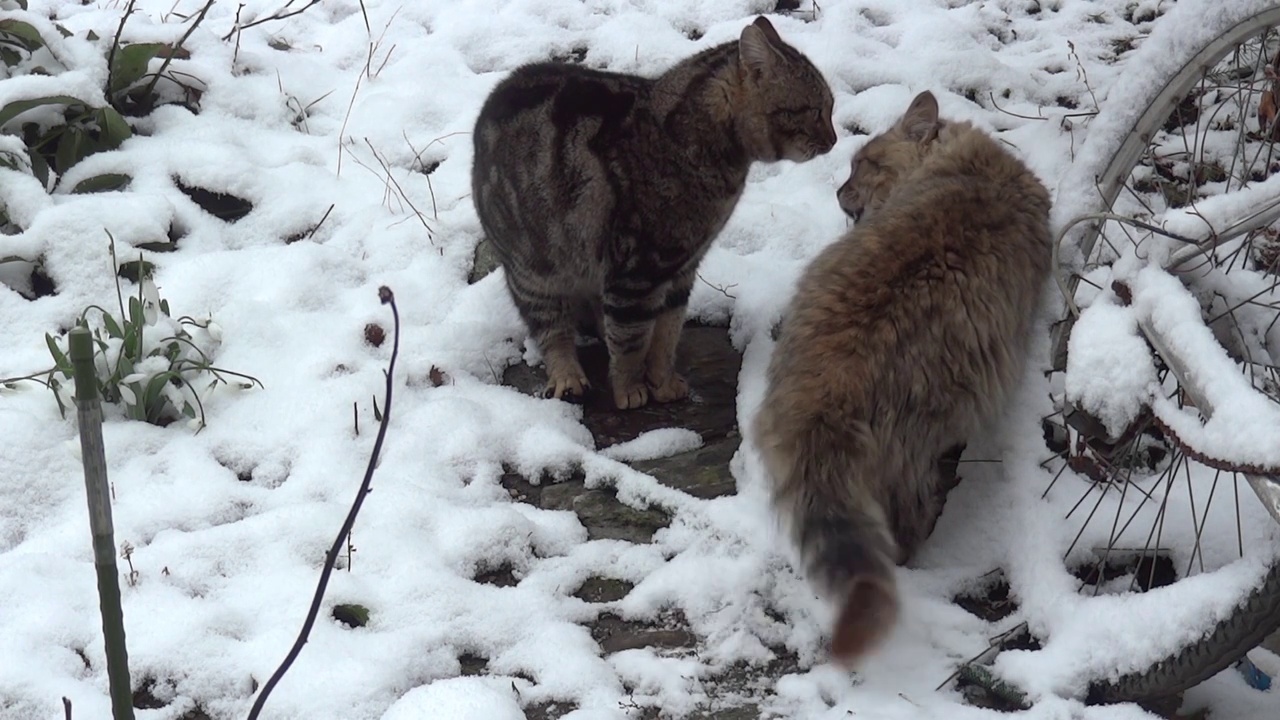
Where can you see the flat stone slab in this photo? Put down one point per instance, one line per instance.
(599, 510)
(615, 634)
(708, 361)
(703, 473)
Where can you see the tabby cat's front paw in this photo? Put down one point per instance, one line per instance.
(570, 388)
(675, 388)
(630, 395)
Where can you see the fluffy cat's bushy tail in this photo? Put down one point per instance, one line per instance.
(846, 546)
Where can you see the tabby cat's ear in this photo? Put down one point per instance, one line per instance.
(766, 27)
(755, 46)
(921, 123)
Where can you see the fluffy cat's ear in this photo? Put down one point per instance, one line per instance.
(921, 123)
(755, 45)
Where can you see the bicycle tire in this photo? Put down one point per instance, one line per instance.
(1236, 634)
(1258, 614)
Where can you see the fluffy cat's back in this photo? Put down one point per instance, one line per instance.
(928, 299)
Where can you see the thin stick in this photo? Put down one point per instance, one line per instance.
(277, 15)
(115, 43)
(181, 41)
(331, 557)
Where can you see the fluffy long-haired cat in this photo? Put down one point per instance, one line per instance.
(903, 337)
(602, 191)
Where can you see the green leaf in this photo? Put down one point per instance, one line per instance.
(91, 36)
(9, 56)
(130, 64)
(106, 182)
(113, 327)
(26, 33)
(188, 411)
(72, 147)
(130, 339)
(17, 107)
(152, 398)
(114, 128)
(54, 385)
(135, 270)
(59, 358)
(164, 307)
(135, 313)
(351, 615)
(40, 168)
(63, 30)
(124, 367)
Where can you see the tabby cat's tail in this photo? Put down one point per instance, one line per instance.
(848, 551)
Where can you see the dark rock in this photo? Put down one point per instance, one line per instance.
(501, 576)
(521, 490)
(702, 473)
(615, 634)
(473, 665)
(744, 712)
(552, 710)
(602, 514)
(485, 262)
(991, 602)
(602, 590)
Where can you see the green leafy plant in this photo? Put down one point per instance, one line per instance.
(148, 362)
(81, 129)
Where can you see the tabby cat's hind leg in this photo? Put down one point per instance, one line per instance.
(552, 320)
(664, 382)
(628, 329)
(628, 346)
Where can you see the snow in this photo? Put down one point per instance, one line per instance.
(1111, 373)
(1244, 427)
(462, 698)
(334, 114)
(654, 444)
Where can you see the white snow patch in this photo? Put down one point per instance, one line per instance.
(654, 444)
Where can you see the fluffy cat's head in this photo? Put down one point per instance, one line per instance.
(877, 167)
(784, 109)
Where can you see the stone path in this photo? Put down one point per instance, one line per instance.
(711, 365)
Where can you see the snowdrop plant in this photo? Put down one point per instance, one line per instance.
(154, 366)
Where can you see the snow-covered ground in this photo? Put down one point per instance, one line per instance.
(335, 113)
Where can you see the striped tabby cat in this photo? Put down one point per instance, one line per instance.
(904, 337)
(601, 193)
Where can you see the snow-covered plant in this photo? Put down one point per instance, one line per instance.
(155, 366)
(58, 121)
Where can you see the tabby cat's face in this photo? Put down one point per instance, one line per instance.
(786, 114)
(797, 107)
(879, 166)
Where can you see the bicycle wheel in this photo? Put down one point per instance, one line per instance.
(1192, 178)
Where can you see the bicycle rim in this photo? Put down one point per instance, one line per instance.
(1211, 135)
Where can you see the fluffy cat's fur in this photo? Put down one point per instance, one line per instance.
(903, 338)
(602, 191)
